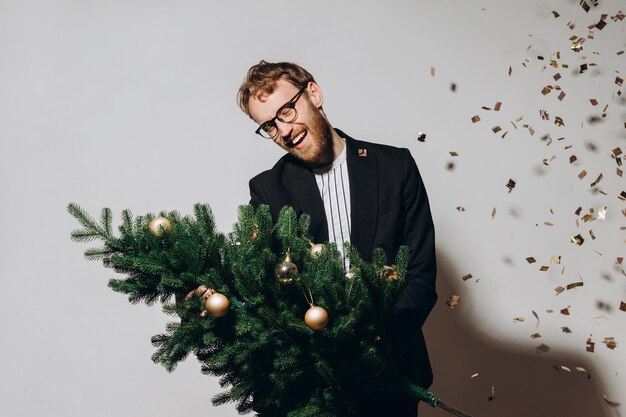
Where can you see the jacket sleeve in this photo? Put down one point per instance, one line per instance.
(257, 193)
(419, 296)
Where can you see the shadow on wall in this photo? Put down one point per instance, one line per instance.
(525, 384)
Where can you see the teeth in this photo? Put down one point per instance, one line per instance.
(299, 138)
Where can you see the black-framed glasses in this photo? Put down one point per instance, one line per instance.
(286, 113)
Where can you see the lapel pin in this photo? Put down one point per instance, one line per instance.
(363, 153)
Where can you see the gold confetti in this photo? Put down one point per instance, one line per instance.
(609, 402)
(475, 119)
(544, 268)
(561, 96)
(510, 71)
(542, 348)
(559, 121)
(582, 174)
(474, 375)
(467, 276)
(453, 301)
(619, 81)
(531, 260)
(496, 129)
(556, 259)
(593, 184)
(432, 71)
(535, 336)
(581, 370)
(492, 397)
(562, 368)
(594, 102)
(497, 106)
(565, 311)
(537, 317)
(593, 237)
(511, 184)
(556, 76)
(572, 159)
(493, 213)
(421, 137)
(610, 342)
(452, 153)
(578, 239)
(518, 319)
(591, 346)
(619, 260)
(548, 223)
(577, 45)
(555, 13)
(622, 306)
(565, 330)
(575, 285)
(559, 290)
(622, 196)
(460, 209)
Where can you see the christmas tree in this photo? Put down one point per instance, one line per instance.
(273, 315)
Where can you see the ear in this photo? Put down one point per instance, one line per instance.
(315, 94)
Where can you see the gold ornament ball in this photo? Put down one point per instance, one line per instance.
(316, 318)
(286, 271)
(159, 225)
(217, 305)
(316, 250)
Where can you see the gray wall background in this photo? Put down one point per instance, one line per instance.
(131, 104)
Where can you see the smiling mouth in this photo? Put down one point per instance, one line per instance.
(298, 139)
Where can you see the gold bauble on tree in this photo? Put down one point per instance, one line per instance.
(317, 249)
(159, 225)
(316, 318)
(217, 304)
(286, 271)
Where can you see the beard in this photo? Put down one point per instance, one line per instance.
(319, 151)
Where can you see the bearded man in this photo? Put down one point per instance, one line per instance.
(368, 194)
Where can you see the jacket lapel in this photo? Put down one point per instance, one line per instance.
(363, 173)
(300, 182)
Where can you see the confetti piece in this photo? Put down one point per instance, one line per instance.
(535, 336)
(572, 159)
(593, 184)
(544, 268)
(542, 348)
(453, 87)
(475, 119)
(565, 311)
(562, 368)
(581, 370)
(619, 81)
(452, 153)
(575, 285)
(556, 259)
(531, 260)
(511, 184)
(594, 102)
(610, 342)
(432, 71)
(453, 301)
(577, 45)
(559, 290)
(510, 71)
(561, 96)
(492, 397)
(582, 174)
(622, 196)
(622, 306)
(593, 237)
(559, 121)
(460, 209)
(496, 129)
(493, 213)
(474, 375)
(548, 223)
(566, 330)
(619, 260)
(497, 106)
(609, 402)
(421, 137)
(555, 13)
(467, 276)
(518, 319)
(578, 240)
(602, 213)
(591, 346)
(556, 76)
(536, 317)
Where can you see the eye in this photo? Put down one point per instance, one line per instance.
(287, 114)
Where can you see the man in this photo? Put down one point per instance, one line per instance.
(368, 194)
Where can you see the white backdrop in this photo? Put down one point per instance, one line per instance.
(131, 104)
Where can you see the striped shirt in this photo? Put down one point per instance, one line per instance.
(334, 185)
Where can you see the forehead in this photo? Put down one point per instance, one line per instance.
(265, 106)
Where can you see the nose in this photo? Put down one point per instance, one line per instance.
(284, 129)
